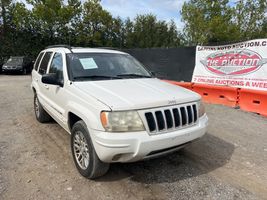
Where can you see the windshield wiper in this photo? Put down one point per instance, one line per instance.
(95, 77)
(134, 75)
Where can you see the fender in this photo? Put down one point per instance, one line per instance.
(90, 118)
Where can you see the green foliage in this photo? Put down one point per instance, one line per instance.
(25, 31)
(147, 32)
(250, 16)
(48, 22)
(216, 21)
(5, 6)
(96, 24)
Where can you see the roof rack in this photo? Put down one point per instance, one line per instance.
(60, 45)
(110, 48)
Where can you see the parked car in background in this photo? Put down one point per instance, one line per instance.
(2, 61)
(21, 64)
(1, 64)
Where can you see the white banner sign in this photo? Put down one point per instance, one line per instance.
(242, 65)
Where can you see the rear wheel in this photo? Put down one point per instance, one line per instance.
(40, 114)
(83, 152)
(24, 71)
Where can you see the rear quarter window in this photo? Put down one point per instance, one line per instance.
(44, 63)
(36, 64)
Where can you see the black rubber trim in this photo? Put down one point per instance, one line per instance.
(167, 149)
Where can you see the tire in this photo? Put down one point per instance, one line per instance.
(24, 71)
(41, 115)
(87, 161)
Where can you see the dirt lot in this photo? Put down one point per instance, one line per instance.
(229, 162)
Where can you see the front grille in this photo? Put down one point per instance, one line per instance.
(11, 67)
(175, 117)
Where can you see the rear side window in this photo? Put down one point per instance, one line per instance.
(36, 65)
(44, 63)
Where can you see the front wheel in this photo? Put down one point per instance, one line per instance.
(83, 152)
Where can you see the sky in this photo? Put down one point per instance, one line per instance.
(163, 9)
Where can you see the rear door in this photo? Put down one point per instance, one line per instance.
(35, 71)
(42, 88)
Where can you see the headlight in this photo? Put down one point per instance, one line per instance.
(4, 66)
(122, 121)
(201, 109)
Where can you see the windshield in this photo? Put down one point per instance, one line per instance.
(105, 66)
(14, 60)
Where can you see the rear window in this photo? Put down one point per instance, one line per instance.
(44, 63)
(36, 65)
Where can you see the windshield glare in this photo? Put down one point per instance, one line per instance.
(15, 60)
(105, 64)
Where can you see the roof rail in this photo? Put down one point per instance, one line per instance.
(110, 48)
(60, 45)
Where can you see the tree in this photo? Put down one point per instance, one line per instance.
(208, 22)
(4, 8)
(22, 30)
(128, 32)
(250, 18)
(52, 16)
(174, 38)
(6, 39)
(95, 24)
(147, 32)
(116, 34)
(26, 31)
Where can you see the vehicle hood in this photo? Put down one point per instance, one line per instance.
(131, 94)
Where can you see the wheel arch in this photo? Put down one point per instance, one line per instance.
(72, 119)
(34, 90)
(90, 116)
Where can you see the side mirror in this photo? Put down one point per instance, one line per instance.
(51, 79)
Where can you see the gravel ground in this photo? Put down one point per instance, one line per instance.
(229, 162)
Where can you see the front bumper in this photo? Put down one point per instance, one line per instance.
(12, 70)
(134, 146)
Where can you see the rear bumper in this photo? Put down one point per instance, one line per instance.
(133, 146)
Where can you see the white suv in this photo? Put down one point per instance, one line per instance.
(114, 108)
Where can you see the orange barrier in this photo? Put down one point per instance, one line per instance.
(187, 85)
(248, 100)
(224, 95)
(253, 101)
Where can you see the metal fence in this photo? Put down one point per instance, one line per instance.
(173, 64)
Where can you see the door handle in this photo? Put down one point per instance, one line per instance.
(36, 79)
(46, 86)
